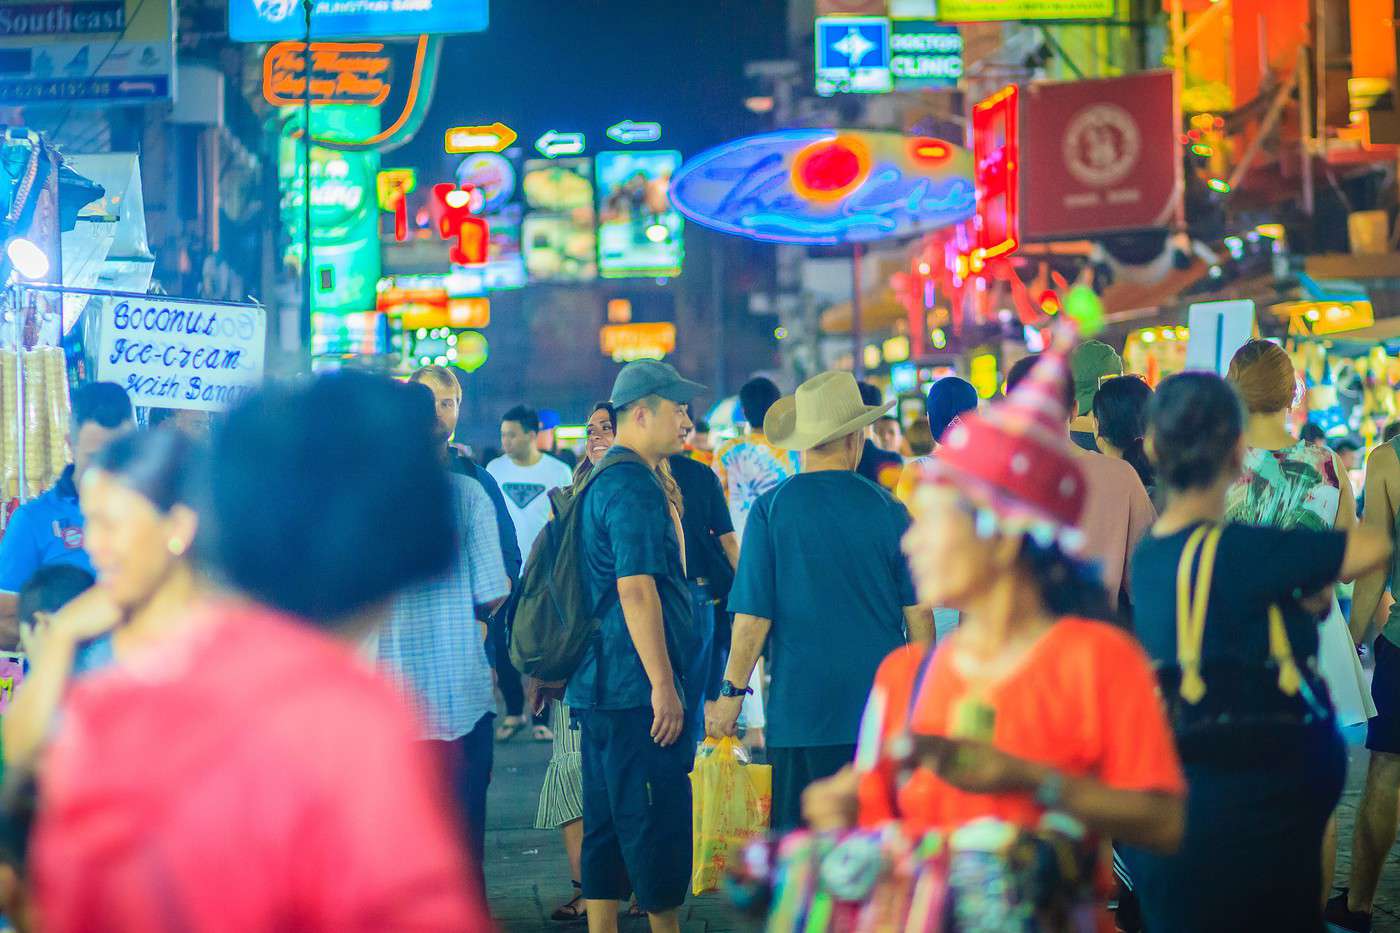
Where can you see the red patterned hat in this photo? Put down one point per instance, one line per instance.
(1015, 460)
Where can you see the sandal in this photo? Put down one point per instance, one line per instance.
(543, 734)
(573, 911)
(508, 730)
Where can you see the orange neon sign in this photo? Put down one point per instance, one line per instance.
(341, 73)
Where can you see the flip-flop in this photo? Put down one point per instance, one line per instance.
(573, 911)
(543, 734)
(509, 730)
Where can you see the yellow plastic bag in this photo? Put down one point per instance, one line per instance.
(732, 800)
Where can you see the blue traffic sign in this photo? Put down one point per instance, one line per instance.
(853, 55)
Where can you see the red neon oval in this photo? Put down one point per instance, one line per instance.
(929, 151)
(830, 169)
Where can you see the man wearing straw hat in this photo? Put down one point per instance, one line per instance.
(821, 575)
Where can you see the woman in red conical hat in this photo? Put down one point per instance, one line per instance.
(1032, 705)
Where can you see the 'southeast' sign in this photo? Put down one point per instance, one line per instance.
(172, 353)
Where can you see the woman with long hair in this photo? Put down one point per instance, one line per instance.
(140, 527)
(1224, 611)
(994, 538)
(1120, 412)
(561, 796)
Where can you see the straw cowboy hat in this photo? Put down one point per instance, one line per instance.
(824, 408)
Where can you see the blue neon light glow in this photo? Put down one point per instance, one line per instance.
(744, 188)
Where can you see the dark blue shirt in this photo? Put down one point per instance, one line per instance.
(627, 531)
(821, 560)
(505, 528)
(47, 530)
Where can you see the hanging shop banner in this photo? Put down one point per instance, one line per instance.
(280, 20)
(172, 353)
(983, 11)
(344, 207)
(86, 51)
(827, 187)
(853, 55)
(558, 239)
(639, 233)
(925, 54)
(1097, 155)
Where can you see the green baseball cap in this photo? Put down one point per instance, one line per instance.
(1091, 363)
(652, 377)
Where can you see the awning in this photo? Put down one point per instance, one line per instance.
(107, 249)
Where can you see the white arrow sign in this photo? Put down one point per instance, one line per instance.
(554, 144)
(629, 131)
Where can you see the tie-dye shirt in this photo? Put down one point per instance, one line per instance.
(748, 467)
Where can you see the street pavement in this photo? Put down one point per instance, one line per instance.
(527, 873)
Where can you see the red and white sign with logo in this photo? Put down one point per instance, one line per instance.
(1097, 156)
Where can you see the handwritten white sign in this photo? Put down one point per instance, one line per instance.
(173, 353)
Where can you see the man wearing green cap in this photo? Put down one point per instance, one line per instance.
(1092, 362)
(627, 691)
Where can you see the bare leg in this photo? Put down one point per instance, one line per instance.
(1329, 857)
(668, 922)
(573, 845)
(602, 916)
(1375, 829)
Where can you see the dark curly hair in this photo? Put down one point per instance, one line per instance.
(1195, 422)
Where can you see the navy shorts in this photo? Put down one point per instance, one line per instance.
(636, 811)
(1383, 729)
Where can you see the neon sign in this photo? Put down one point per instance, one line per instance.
(341, 73)
(456, 208)
(394, 186)
(996, 151)
(493, 138)
(827, 187)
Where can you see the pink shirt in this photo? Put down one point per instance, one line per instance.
(1116, 516)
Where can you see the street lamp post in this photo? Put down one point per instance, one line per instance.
(308, 269)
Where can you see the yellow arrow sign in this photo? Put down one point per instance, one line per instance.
(491, 138)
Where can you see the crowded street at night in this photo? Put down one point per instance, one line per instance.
(799, 466)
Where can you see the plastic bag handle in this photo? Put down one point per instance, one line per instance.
(729, 745)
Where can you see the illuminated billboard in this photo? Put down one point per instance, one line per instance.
(558, 239)
(639, 233)
(981, 11)
(279, 20)
(925, 54)
(344, 207)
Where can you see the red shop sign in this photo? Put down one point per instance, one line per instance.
(1097, 156)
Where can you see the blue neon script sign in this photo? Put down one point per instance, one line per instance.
(759, 187)
(283, 20)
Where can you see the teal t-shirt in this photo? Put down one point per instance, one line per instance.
(821, 558)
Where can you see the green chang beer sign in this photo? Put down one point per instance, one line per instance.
(344, 207)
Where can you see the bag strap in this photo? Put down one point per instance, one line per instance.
(1191, 608)
(924, 665)
(1191, 619)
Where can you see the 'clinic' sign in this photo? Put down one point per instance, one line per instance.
(925, 54)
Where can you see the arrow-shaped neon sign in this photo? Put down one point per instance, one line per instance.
(629, 131)
(554, 144)
(492, 138)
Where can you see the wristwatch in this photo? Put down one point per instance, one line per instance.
(1051, 792)
(727, 689)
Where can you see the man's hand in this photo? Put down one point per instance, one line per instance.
(722, 717)
(667, 715)
(539, 693)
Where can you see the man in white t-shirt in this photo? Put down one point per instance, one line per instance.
(526, 477)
